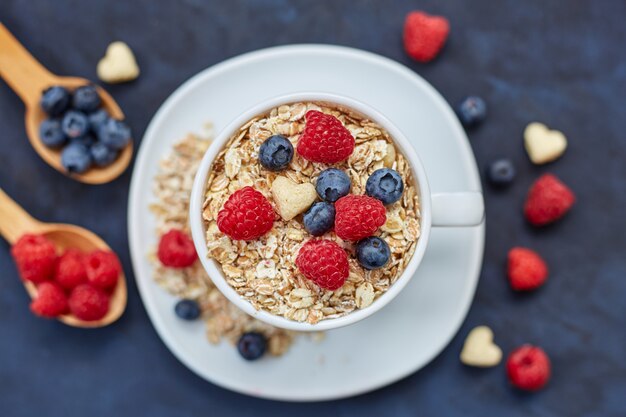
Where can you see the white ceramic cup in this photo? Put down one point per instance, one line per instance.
(437, 210)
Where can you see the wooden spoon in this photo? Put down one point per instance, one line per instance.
(15, 222)
(28, 78)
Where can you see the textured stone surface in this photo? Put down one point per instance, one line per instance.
(561, 63)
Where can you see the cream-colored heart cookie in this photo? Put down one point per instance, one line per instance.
(292, 199)
(479, 349)
(390, 156)
(118, 64)
(542, 144)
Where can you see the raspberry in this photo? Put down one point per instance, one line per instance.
(424, 35)
(70, 269)
(35, 257)
(526, 269)
(528, 368)
(103, 268)
(358, 217)
(50, 300)
(548, 200)
(325, 139)
(324, 262)
(247, 215)
(176, 250)
(88, 303)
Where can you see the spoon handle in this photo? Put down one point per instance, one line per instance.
(14, 221)
(24, 74)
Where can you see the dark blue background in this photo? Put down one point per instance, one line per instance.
(560, 62)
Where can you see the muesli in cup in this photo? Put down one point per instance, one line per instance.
(311, 211)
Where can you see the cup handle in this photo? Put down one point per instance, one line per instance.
(458, 209)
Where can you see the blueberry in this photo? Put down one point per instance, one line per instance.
(102, 155)
(501, 173)
(472, 111)
(276, 153)
(54, 100)
(114, 133)
(386, 185)
(187, 309)
(88, 140)
(97, 119)
(251, 345)
(86, 99)
(372, 252)
(51, 133)
(332, 184)
(320, 218)
(75, 124)
(76, 158)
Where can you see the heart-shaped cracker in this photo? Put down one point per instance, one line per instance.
(292, 199)
(542, 144)
(479, 349)
(118, 64)
(390, 156)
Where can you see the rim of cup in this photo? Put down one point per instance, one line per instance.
(198, 228)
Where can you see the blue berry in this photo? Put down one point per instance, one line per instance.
(372, 253)
(386, 185)
(320, 218)
(75, 158)
(501, 173)
(102, 155)
(332, 184)
(88, 140)
(472, 111)
(187, 309)
(252, 345)
(97, 119)
(51, 133)
(276, 153)
(75, 124)
(86, 99)
(55, 100)
(114, 133)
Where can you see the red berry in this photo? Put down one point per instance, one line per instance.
(526, 269)
(50, 300)
(35, 257)
(70, 269)
(424, 35)
(358, 217)
(325, 139)
(247, 215)
(176, 250)
(548, 200)
(103, 268)
(528, 368)
(324, 262)
(88, 303)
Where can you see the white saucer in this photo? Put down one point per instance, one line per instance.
(405, 335)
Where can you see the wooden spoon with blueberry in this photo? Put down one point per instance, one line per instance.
(70, 273)
(75, 126)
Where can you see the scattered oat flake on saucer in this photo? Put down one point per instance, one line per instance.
(172, 189)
